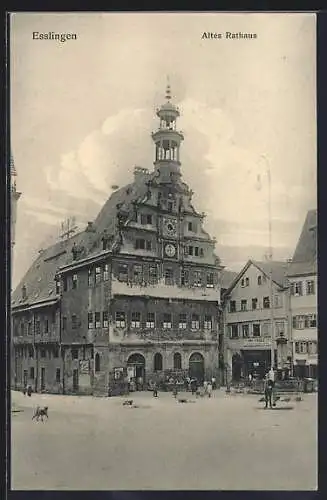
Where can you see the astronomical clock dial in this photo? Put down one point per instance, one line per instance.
(170, 250)
(170, 226)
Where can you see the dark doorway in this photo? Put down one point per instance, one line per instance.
(196, 366)
(237, 364)
(75, 381)
(138, 362)
(257, 362)
(42, 379)
(157, 362)
(177, 361)
(97, 362)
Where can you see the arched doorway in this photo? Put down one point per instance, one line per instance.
(237, 364)
(157, 362)
(137, 363)
(177, 361)
(97, 362)
(196, 366)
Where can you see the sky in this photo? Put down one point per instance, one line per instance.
(82, 113)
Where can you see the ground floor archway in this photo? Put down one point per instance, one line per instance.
(136, 369)
(196, 366)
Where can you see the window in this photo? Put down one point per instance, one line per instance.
(105, 272)
(90, 321)
(150, 320)
(97, 362)
(256, 330)
(22, 329)
(64, 280)
(46, 326)
(167, 320)
(120, 319)
(37, 327)
(74, 281)
(184, 277)
(312, 348)
(137, 273)
(208, 322)
(148, 245)
(243, 305)
(97, 274)
(177, 361)
(254, 304)
(190, 250)
(64, 323)
(296, 288)
(32, 375)
(197, 278)
(190, 226)
(310, 287)
(265, 329)
(195, 322)
(30, 352)
(97, 317)
(74, 321)
(140, 244)
(153, 274)
(301, 347)
(232, 306)
(259, 280)
(196, 251)
(90, 277)
(169, 277)
(43, 353)
(210, 280)
(157, 362)
(170, 206)
(56, 352)
(29, 328)
(182, 321)
(136, 320)
(233, 331)
(245, 331)
(280, 328)
(58, 375)
(247, 281)
(123, 272)
(243, 283)
(74, 353)
(57, 287)
(312, 319)
(201, 252)
(105, 319)
(146, 219)
(266, 302)
(299, 322)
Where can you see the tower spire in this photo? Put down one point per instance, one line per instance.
(167, 140)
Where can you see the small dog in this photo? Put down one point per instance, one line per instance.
(40, 412)
(128, 402)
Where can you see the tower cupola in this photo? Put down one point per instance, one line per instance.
(167, 141)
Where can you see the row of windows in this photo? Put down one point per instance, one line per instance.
(254, 304)
(304, 321)
(195, 322)
(40, 327)
(245, 282)
(140, 272)
(306, 347)
(303, 288)
(246, 330)
(28, 352)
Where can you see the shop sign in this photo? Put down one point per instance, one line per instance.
(261, 342)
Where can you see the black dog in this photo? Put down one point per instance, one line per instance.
(40, 412)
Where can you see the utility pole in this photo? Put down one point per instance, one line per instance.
(270, 257)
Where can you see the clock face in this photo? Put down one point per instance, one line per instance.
(170, 250)
(170, 226)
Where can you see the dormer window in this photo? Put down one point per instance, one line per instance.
(259, 280)
(24, 292)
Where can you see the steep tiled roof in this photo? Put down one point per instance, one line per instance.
(277, 268)
(305, 256)
(39, 279)
(227, 277)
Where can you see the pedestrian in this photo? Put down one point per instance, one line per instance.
(209, 389)
(193, 386)
(250, 379)
(29, 391)
(268, 389)
(205, 385)
(175, 391)
(271, 376)
(155, 390)
(25, 389)
(213, 382)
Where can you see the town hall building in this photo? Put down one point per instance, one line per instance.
(136, 295)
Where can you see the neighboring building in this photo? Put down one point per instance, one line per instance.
(248, 317)
(302, 275)
(136, 294)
